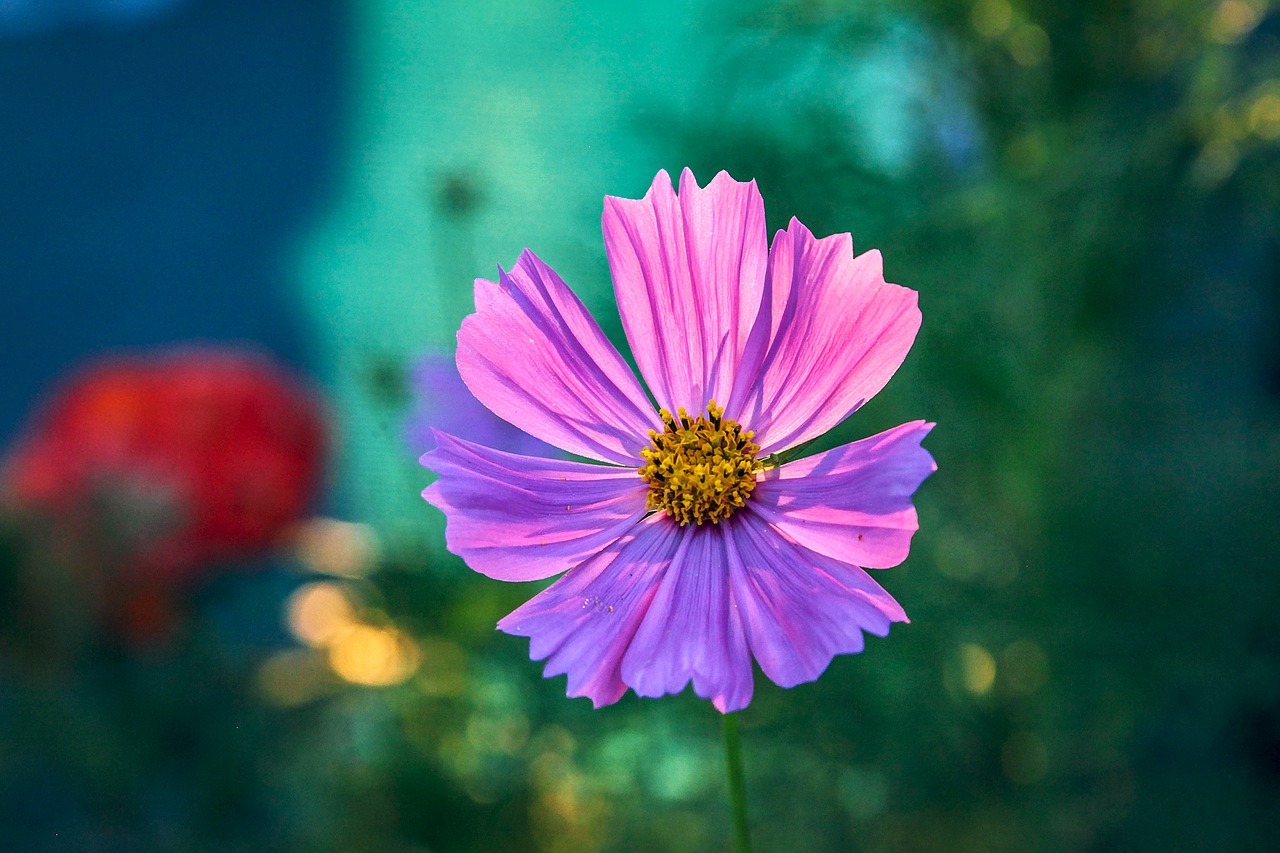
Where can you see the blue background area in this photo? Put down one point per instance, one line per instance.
(153, 174)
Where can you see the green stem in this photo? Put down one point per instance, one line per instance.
(737, 786)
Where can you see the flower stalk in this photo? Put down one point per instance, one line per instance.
(737, 784)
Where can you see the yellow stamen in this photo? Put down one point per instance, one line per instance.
(699, 470)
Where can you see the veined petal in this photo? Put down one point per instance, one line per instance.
(800, 609)
(537, 359)
(584, 622)
(692, 630)
(830, 334)
(852, 503)
(688, 271)
(520, 518)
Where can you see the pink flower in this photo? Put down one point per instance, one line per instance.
(691, 550)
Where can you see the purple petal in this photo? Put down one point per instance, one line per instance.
(688, 271)
(800, 609)
(692, 630)
(536, 358)
(830, 334)
(520, 518)
(441, 401)
(852, 503)
(584, 622)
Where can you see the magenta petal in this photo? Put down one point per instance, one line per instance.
(537, 359)
(800, 609)
(829, 335)
(584, 622)
(852, 503)
(692, 630)
(519, 518)
(688, 271)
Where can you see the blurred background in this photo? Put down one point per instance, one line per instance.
(236, 241)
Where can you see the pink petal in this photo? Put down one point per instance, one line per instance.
(800, 609)
(830, 334)
(537, 359)
(852, 503)
(584, 622)
(692, 630)
(520, 518)
(688, 271)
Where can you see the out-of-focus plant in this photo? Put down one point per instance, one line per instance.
(143, 474)
(133, 500)
(441, 401)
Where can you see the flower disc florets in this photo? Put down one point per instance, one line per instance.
(699, 470)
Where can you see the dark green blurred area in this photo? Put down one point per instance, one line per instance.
(1087, 198)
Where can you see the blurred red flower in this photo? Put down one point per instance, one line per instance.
(159, 467)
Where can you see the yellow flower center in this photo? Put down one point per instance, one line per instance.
(699, 470)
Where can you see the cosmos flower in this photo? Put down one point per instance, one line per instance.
(694, 547)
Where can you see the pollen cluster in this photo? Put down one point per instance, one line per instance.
(699, 470)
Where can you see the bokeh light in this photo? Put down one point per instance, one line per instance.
(979, 668)
(1232, 20)
(332, 547)
(372, 656)
(318, 612)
